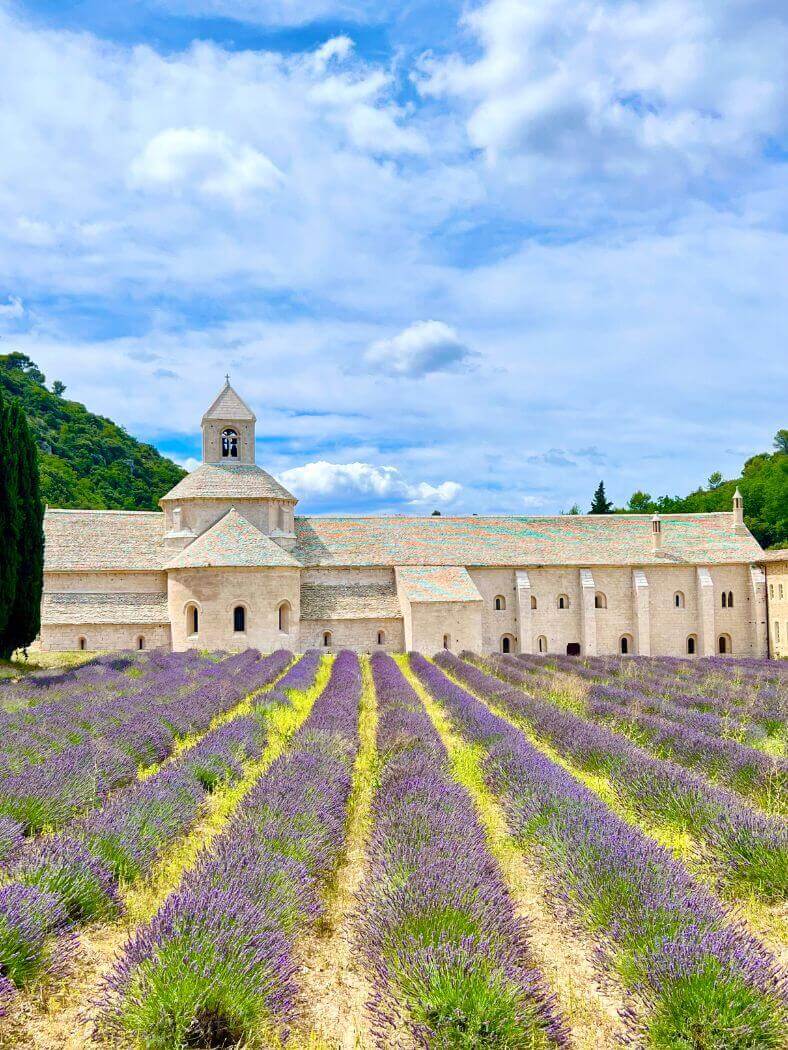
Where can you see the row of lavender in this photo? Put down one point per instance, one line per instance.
(695, 975)
(742, 847)
(79, 777)
(747, 695)
(687, 736)
(218, 964)
(436, 928)
(70, 878)
(41, 716)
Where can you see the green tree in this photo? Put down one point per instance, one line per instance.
(84, 460)
(640, 503)
(715, 480)
(601, 504)
(24, 619)
(781, 441)
(58, 388)
(9, 519)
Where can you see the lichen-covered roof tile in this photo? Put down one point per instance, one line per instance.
(436, 583)
(349, 601)
(111, 540)
(82, 607)
(228, 481)
(233, 542)
(229, 406)
(605, 539)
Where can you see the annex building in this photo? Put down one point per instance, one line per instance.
(228, 564)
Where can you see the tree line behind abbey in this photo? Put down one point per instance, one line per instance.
(87, 461)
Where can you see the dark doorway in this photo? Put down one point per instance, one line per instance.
(573, 649)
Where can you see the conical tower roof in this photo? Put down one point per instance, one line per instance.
(230, 406)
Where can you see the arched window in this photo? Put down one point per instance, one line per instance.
(229, 444)
(678, 600)
(141, 642)
(730, 599)
(381, 637)
(446, 642)
(600, 600)
(283, 617)
(192, 620)
(724, 600)
(507, 644)
(724, 646)
(533, 601)
(326, 639)
(499, 603)
(541, 643)
(692, 645)
(239, 619)
(625, 644)
(563, 601)
(83, 644)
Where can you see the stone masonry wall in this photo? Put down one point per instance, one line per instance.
(777, 590)
(216, 592)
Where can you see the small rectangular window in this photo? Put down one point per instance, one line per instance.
(780, 587)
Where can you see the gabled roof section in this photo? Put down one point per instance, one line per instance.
(572, 539)
(228, 481)
(233, 542)
(436, 583)
(230, 406)
(111, 540)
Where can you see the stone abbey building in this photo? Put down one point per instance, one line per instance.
(227, 564)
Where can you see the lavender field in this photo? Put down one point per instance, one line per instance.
(334, 851)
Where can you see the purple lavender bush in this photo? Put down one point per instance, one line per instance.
(76, 777)
(694, 742)
(217, 965)
(743, 847)
(703, 981)
(435, 925)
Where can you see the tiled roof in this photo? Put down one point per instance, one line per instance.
(229, 406)
(86, 540)
(349, 602)
(228, 481)
(771, 556)
(81, 607)
(604, 539)
(436, 583)
(231, 542)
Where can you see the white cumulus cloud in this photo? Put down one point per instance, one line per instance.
(620, 89)
(423, 347)
(206, 160)
(13, 309)
(322, 479)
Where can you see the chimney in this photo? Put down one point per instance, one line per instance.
(176, 519)
(656, 534)
(738, 512)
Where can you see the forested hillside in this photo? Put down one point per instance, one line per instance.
(763, 484)
(85, 460)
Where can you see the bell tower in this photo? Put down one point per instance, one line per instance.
(228, 429)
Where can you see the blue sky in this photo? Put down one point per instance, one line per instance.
(466, 256)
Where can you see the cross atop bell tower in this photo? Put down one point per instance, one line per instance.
(228, 429)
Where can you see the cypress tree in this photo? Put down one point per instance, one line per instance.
(9, 520)
(25, 618)
(600, 504)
